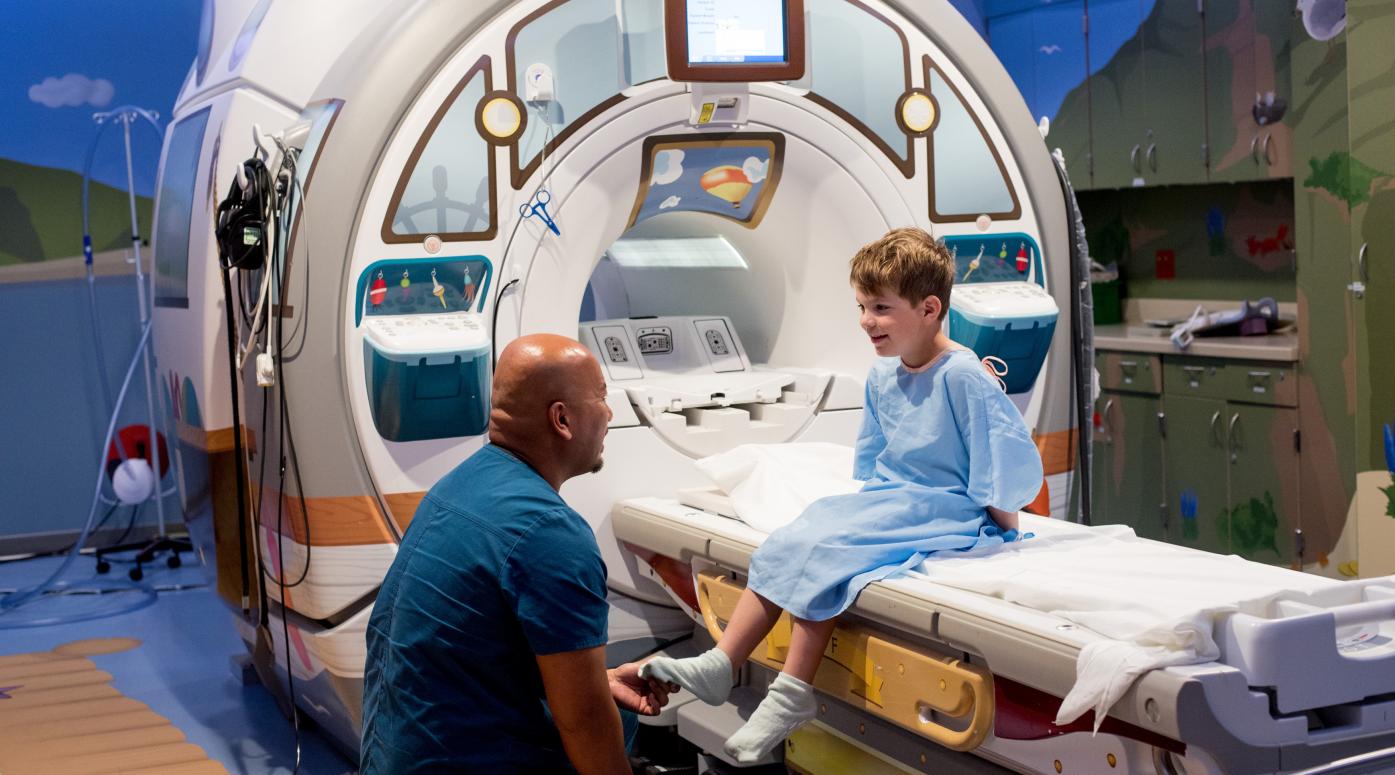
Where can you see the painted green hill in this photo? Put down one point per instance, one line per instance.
(41, 214)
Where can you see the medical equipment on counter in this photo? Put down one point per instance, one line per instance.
(1252, 319)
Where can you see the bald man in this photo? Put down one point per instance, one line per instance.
(486, 647)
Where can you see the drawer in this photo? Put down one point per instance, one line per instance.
(1250, 382)
(1129, 372)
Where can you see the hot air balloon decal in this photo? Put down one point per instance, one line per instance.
(726, 182)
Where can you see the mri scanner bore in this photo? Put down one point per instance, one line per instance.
(465, 176)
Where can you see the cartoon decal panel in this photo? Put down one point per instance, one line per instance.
(732, 175)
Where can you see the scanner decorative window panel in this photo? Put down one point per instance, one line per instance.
(967, 176)
(859, 67)
(576, 45)
(176, 206)
(447, 187)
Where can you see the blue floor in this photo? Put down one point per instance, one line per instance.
(182, 668)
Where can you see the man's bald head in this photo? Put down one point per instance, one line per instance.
(547, 405)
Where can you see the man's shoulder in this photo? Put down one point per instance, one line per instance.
(494, 484)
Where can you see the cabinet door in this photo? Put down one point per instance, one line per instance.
(1115, 44)
(1248, 94)
(1273, 88)
(1129, 465)
(1197, 498)
(1371, 100)
(1263, 511)
(1174, 132)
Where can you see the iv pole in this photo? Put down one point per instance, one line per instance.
(125, 116)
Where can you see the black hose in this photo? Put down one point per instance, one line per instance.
(238, 463)
(1082, 344)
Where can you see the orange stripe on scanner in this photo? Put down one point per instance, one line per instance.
(352, 520)
(1058, 451)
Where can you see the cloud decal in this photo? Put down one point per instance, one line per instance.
(668, 166)
(754, 169)
(671, 202)
(72, 90)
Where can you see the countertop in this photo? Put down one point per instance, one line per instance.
(1281, 346)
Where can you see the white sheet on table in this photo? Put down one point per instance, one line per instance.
(771, 484)
(1155, 603)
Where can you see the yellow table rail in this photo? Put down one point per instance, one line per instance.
(873, 672)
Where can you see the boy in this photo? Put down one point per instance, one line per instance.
(948, 463)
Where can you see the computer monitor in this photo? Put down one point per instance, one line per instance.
(734, 40)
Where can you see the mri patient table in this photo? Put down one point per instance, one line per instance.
(917, 666)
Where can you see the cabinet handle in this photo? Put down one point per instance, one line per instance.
(1268, 143)
(1105, 426)
(1358, 286)
(1215, 428)
(1153, 156)
(1254, 148)
(1232, 439)
(1133, 159)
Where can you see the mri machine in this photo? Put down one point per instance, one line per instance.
(469, 175)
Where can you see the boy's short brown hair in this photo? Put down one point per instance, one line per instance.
(907, 261)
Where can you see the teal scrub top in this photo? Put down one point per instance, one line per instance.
(494, 569)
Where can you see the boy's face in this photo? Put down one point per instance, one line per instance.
(895, 325)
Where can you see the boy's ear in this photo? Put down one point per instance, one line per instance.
(931, 307)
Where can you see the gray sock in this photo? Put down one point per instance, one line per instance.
(788, 706)
(707, 676)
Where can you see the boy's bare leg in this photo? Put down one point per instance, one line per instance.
(750, 623)
(709, 675)
(807, 645)
(790, 702)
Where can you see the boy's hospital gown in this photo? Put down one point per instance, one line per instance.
(936, 447)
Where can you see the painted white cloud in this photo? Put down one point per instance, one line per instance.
(754, 169)
(1050, 49)
(72, 90)
(668, 165)
(670, 202)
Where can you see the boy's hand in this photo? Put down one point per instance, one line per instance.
(1007, 520)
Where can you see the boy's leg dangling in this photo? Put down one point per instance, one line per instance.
(707, 676)
(788, 706)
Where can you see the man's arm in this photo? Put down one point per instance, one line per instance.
(579, 695)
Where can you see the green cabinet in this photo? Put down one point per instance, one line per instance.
(1371, 117)
(1248, 89)
(1200, 452)
(1262, 515)
(1127, 473)
(1127, 464)
(1232, 446)
(1197, 497)
(1146, 102)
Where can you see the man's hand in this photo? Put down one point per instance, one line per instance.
(645, 696)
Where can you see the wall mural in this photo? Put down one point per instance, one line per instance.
(130, 54)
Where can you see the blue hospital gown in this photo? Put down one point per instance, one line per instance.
(936, 448)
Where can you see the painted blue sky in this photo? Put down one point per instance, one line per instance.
(134, 52)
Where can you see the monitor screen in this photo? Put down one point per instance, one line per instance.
(736, 32)
(734, 40)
